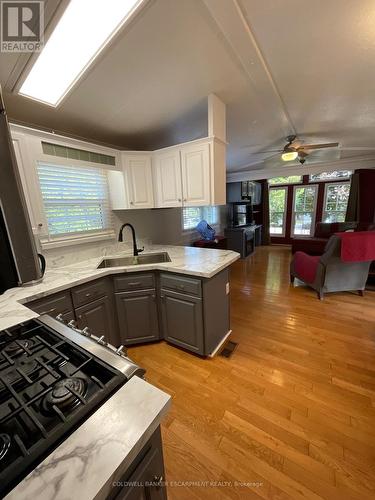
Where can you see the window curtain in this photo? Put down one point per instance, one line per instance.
(266, 239)
(353, 209)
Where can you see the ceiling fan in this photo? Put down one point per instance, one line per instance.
(297, 150)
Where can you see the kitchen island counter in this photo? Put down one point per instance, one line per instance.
(201, 262)
(98, 453)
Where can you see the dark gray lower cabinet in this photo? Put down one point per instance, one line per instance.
(98, 316)
(137, 316)
(58, 303)
(145, 478)
(183, 320)
(190, 312)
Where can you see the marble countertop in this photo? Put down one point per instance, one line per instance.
(85, 465)
(202, 262)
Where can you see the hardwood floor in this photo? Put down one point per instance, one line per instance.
(293, 409)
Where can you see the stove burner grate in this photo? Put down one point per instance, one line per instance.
(48, 386)
(66, 393)
(18, 347)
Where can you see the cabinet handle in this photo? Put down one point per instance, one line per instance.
(134, 283)
(88, 294)
(179, 199)
(131, 203)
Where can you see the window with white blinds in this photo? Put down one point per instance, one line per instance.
(75, 199)
(191, 216)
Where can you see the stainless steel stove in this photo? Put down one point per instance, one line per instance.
(52, 377)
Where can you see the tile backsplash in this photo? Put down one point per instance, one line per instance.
(157, 226)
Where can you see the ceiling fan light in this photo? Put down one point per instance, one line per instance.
(289, 156)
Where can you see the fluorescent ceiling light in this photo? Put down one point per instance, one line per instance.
(289, 156)
(82, 32)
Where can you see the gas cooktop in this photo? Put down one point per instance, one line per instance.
(48, 385)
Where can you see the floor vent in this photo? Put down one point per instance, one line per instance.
(229, 349)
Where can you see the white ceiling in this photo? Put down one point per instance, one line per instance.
(281, 67)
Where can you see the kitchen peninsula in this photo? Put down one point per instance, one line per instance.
(187, 297)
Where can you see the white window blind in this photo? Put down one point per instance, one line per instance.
(75, 199)
(193, 215)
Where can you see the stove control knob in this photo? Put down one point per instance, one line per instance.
(120, 351)
(72, 324)
(86, 331)
(59, 317)
(102, 340)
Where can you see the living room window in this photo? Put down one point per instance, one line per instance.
(278, 204)
(191, 216)
(336, 198)
(304, 209)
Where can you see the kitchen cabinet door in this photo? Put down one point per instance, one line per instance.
(137, 316)
(167, 175)
(182, 320)
(195, 166)
(59, 303)
(146, 481)
(98, 316)
(138, 176)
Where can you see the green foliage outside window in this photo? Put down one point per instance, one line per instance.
(277, 200)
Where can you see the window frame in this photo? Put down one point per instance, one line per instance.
(52, 240)
(326, 187)
(285, 189)
(193, 229)
(313, 218)
(28, 148)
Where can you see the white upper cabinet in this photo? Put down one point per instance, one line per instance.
(138, 178)
(167, 179)
(195, 168)
(191, 174)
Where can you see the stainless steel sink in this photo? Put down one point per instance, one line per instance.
(148, 258)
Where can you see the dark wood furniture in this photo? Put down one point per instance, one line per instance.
(220, 243)
(244, 239)
(239, 191)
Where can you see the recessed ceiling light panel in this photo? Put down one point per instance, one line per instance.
(83, 31)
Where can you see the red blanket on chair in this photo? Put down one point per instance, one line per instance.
(358, 246)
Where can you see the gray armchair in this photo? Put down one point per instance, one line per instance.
(328, 273)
